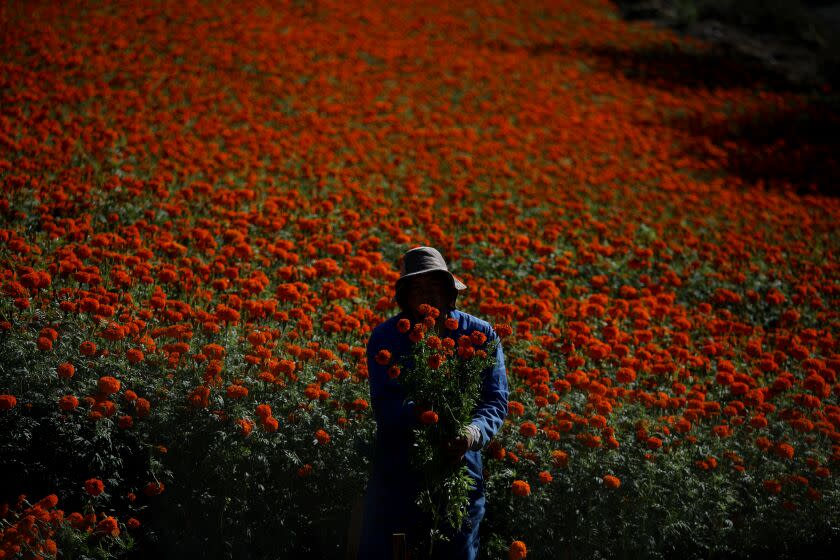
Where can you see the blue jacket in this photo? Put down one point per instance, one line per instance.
(390, 492)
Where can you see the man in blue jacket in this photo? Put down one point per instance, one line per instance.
(392, 488)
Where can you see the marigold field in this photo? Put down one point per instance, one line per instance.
(202, 209)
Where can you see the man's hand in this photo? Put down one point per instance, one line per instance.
(456, 448)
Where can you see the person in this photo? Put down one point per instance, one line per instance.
(389, 500)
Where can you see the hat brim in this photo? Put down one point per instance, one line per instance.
(456, 282)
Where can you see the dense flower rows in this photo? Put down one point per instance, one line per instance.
(202, 207)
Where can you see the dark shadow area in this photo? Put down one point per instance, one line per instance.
(790, 146)
(795, 147)
(665, 67)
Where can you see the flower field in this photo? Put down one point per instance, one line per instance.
(202, 208)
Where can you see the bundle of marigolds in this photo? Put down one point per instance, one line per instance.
(442, 376)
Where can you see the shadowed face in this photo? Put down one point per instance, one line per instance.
(433, 288)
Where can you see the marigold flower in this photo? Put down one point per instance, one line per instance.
(7, 402)
(466, 353)
(435, 361)
(245, 426)
(772, 486)
(517, 550)
(478, 338)
(68, 403)
(502, 330)
(94, 486)
(383, 357)
(516, 408)
(763, 443)
(451, 323)
(416, 335)
(108, 385)
(360, 404)
(270, 424)
(611, 481)
(153, 489)
(429, 417)
(134, 355)
(235, 391)
(322, 437)
(394, 371)
(65, 370)
(403, 325)
(528, 429)
(521, 488)
(142, 407)
(132, 523)
(108, 526)
(784, 450)
(545, 477)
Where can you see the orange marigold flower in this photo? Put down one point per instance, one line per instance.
(435, 361)
(134, 355)
(263, 411)
(394, 371)
(451, 323)
(560, 458)
(132, 523)
(545, 477)
(611, 481)
(516, 408)
(403, 325)
(108, 526)
(784, 450)
(322, 437)
(772, 486)
(429, 417)
(153, 489)
(478, 338)
(416, 335)
(143, 407)
(94, 486)
(383, 357)
(7, 402)
(763, 443)
(65, 370)
(528, 429)
(108, 385)
(521, 488)
(502, 329)
(68, 403)
(517, 550)
(245, 426)
(235, 391)
(360, 404)
(625, 375)
(270, 424)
